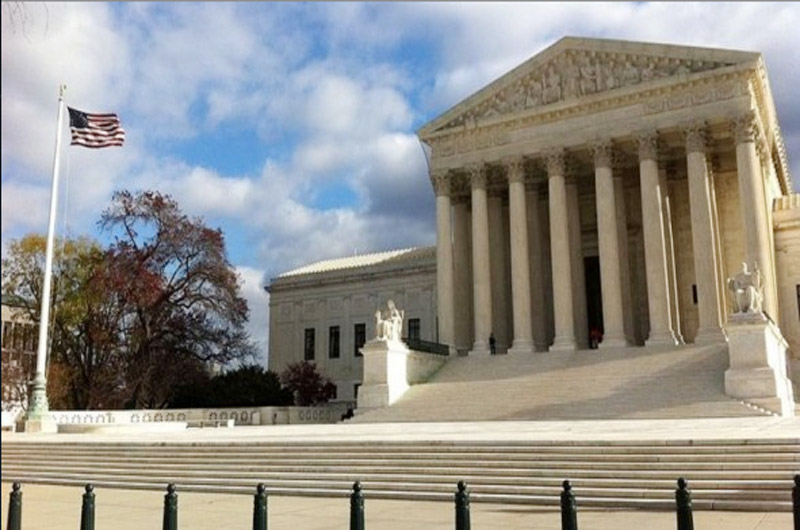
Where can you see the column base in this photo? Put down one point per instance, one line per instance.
(521, 347)
(614, 341)
(663, 338)
(709, 336)
(563, 344)
(480, 348)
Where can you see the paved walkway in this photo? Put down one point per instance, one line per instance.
(751, 428)
(57, 508)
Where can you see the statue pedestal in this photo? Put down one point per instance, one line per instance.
(390, 368)
(758, 362)
(384, 374)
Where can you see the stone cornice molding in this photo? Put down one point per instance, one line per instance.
(603, 153)
(515, 169)
(696, 135)
(556, 163)
(745, 127)
(440, 180)
(478, 175)
(648, 145)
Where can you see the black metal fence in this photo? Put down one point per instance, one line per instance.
(569, 507)
(427, 346)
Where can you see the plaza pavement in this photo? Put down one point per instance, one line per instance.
(58, 508)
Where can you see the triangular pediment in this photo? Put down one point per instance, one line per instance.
(575, 68)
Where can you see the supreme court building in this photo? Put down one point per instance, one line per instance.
(600, 187)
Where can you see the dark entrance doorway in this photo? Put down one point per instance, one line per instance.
(594, 300)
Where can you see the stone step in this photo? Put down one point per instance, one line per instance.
(412, 460)
(404, 484)
(617, 383)
(533, 500)
(474, 479)
(266, 456)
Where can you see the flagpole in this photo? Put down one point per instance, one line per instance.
(39, 407)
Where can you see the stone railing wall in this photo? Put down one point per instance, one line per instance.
(327, 413)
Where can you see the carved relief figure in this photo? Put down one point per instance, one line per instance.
(630, 75)
(609, 77)
(552, 92)
(571, 77)
(389, 323)
(588, 82)
(745, 287)
(648, 72)
(534, 95)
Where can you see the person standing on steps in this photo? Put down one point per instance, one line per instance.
(492, 344)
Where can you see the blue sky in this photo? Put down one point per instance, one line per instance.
(291, 125)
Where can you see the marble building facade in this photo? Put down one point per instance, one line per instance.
(601, 185)
(606, 185)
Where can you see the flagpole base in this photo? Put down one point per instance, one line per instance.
(38, 407)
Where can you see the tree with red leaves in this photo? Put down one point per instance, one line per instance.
(308, 386)
(181, 295)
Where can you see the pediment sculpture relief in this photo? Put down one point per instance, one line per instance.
(577, 73)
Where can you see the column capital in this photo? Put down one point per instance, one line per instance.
(478, 175)
(515, 169)
(441, 182)
(648, 145)
(555, 162)
(745, 127)
(603, 152)
(696, 134)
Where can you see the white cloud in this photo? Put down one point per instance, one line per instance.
(330, 92)
(258, 302)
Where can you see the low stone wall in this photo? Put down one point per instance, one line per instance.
(327, 413)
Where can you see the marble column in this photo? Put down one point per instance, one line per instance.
(703, 237)
(560, 254)
(655, 243)
(580, 321)
(481, 275)
(608, 245)
(444, 260)
(753, 205)
(520, 266)
(540, 291)
(462, 259)
(499, 269)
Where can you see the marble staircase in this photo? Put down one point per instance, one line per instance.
(724, 474)
(620, 383)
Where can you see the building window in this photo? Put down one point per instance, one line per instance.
(334, 391)
(355, 390)
(694, 293)
(359, 338)
(308, 347)
(413, 328)
(333, 342)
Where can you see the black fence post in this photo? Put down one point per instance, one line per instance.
(357, 508)
(569, 508)
(87, 509)
(462, 507)
(683, 504)
(795, 502)
(170, 509)
(260, 508)
(14, 521)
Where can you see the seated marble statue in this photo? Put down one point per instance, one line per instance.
(389, 323)
(745, 286)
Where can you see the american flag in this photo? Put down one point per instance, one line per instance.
(95, 130)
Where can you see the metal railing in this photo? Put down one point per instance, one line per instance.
(427, 346)
(569, 507)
